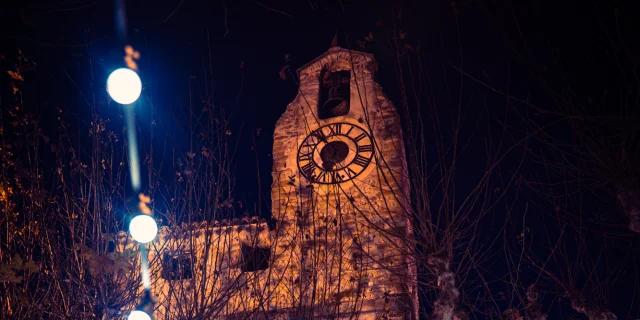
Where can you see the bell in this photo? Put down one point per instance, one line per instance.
(336, 107)
(336, 88)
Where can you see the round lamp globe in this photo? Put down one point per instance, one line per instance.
(124, 86)
(143, 228)
(138, 315)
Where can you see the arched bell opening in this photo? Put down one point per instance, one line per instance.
(335, 94)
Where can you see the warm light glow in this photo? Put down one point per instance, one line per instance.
(143, 228)
(124, 86)
(138, 315)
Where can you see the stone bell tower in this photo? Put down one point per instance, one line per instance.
(340, 197)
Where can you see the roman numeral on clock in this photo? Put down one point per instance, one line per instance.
(329, 177)
(350, 173)
(336, 177)
(336, 128)
(319, 134)
(365, 148)
(361, 161)
(309, 144)
(322, 177)
(360, 137)
(306, 156)
(308, 169)
(350, 129)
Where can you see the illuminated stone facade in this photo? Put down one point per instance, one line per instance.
(346, 242)
(340, 245)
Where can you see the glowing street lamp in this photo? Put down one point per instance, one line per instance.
(124, 86)
(143, 228)
(144, 310)
(138, 315)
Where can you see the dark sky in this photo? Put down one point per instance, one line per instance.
(172, 37)
(506, 44)
(500, 41)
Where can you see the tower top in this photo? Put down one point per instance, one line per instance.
(337, 58)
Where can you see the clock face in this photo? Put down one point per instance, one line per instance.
(335, 153)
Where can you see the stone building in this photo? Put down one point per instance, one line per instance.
(340, 246)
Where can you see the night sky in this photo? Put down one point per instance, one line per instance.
(510, 45)
(502, 43)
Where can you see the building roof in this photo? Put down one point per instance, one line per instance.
(184, 228)
(332, 51)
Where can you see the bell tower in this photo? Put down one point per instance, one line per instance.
(340, 197)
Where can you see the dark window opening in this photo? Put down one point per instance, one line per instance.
(254, 258)
(335, 94)
(177, 267)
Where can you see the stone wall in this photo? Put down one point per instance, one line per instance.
(350, 241)
(213, 256)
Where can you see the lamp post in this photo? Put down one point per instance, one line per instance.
(124, 87)
(144, 309)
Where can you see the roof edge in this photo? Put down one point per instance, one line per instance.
(332, 50)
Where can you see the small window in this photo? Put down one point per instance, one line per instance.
(254, 258)
(335, 94)
(177, 267)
